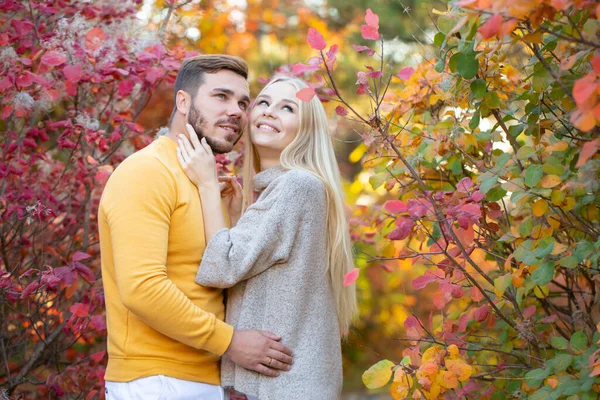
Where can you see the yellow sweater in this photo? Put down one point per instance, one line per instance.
(160, 322)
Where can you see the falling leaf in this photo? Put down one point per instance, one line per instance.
(300, 69)
(315, 39)
(378, 375)
(351, 277)
(306, 94)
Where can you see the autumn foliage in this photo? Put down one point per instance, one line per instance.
(478, 179)
(483, 161)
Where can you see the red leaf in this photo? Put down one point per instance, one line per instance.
(403, 230)
(94, 38)
(32, 287)
(25, 79)
(369, 32)
(85, 272)
(416, 209)
(422, 281)
(99, 355)
(374, 74)
(596, 62)
(78, 256)
(477, 196)
(300, 69)
(360, 49)
(405, 73)
(22, 26)
(481, 313)
(306, 94)
(73, 73)
(491, 26)
(125, 88)
(465, 185)
(98, 322)
(341, 111)
(153, 74)
(588, 150)
(333, 49)
(372, 19)
(103, 173)
(476, 294)
(80, 310)
(583, 89)
(315, 39)
(351, 277)
(53, 58)
(395, 206)
(529, 311)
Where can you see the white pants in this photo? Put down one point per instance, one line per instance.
(160, 387)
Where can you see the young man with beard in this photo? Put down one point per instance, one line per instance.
(166, 333)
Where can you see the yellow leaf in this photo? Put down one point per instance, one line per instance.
(448, 380)
(431, 354)
(540, 207)
(378, 375)
(549, 181)
(460, 368)
(358, 152)
(558, 146)
(399, 390)
(453, 350)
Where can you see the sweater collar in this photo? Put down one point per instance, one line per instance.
(264, 178)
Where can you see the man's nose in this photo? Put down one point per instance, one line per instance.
(235, 110)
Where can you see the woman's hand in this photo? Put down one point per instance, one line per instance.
(231, 193)
(197, 160)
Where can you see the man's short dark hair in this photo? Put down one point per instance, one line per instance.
(193, 70)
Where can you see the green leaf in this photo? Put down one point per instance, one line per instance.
(526, 227)
(541, 394)
(495, 194)
(515, 130)
(378, 375)
(525, 152)
(561, 362)
(543, 274)
(579, 341)
(533, 175)
(558, 342)
(467, 64)
(569, 262)
(474, 122)
(487, 182)
(502, 160)
(405, 360)
(492, 100)
(502, 283)
(439, 39)
(534, 378)
(552, 167)
(478, 88)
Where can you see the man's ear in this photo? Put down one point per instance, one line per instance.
(183, 102)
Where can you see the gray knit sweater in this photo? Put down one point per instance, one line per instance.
(274, 262)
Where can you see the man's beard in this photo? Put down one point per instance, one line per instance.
(197, 121)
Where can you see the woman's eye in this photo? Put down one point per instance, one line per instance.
(288, 108)
(261, 102)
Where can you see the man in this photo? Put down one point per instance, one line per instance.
(166, 333)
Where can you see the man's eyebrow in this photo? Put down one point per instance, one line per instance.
(231, 93)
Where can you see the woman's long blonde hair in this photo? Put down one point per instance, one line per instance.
(312, 151)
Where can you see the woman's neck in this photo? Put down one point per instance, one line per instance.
(269, 163)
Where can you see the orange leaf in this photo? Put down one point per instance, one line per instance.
(549, 181)
(91, 160)
(449, 380)
(588, 150)
(306, 94)
(583, 89)
(94, 38)
(558, 146)
(540, 207)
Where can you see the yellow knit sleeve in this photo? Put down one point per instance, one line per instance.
(138, 202)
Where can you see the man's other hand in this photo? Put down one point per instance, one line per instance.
(259, 351)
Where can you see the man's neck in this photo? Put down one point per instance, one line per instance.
(175, 130)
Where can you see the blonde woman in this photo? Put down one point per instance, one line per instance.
(286, 256)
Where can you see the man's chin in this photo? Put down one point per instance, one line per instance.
(221, 146)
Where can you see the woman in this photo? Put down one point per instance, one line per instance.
(286, 257)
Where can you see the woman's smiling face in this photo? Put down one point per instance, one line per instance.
(275, 118)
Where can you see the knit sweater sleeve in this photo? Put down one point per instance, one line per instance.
(264, 235)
